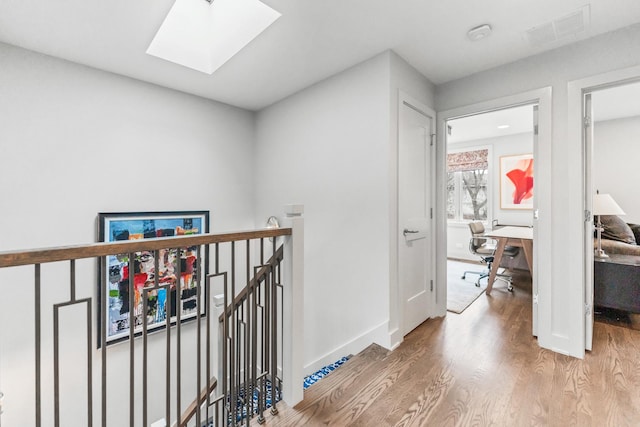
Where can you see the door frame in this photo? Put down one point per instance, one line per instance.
(420, 107)
(578, 145)
(541, 280)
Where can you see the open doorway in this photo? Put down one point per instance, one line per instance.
(613, 268)
(489, 182)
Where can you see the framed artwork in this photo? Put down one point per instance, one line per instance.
(115, 298)
(516, 182)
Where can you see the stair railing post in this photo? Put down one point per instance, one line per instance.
(293, 301)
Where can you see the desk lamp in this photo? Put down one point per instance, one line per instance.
(603, 204)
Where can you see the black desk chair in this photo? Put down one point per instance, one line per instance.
(485, 248)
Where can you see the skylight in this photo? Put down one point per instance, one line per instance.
(204, 36)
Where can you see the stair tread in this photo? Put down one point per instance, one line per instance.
(352, 367)
(345, 395)
(352, 375)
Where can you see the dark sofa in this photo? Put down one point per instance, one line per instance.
(617, 282)
(619, 237)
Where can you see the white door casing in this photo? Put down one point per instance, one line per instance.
(577, 142)
(588, 222)
(542, 201)
(415, 194)
(534, 281)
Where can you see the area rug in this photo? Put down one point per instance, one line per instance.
(309, 380)
(462, 292)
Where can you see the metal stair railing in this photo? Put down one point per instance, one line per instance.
(248, 333)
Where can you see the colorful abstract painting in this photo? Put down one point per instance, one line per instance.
(115, 298)
(516, 182)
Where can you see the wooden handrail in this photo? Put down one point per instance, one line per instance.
(193, 406)
(66, 253)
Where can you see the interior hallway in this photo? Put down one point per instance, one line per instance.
(481, 367)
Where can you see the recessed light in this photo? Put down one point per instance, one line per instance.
(503, 127)
(479, 32)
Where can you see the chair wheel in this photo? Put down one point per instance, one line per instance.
(477, 284)
(510, 288)
(464, 276)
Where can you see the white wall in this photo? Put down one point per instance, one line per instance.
(616, 153)
(562, 295)
(74, 142)
(458, 233)
(328, 147)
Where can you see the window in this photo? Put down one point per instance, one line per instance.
(467, 185)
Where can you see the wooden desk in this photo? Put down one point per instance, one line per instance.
(512, 236)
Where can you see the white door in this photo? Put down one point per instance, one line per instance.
(588, 222)
(415, 240)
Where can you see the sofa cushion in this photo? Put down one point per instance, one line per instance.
(614, 247)
(616, 229)
(635, 229)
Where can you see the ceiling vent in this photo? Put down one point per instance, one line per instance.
(566, 26)
(542, 34)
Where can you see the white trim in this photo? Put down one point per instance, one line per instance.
(542, 229)
(582, 272)
(293, 303)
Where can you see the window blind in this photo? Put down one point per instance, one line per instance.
(467, 160)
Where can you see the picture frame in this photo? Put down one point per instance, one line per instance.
(516, 181)
(113, 283)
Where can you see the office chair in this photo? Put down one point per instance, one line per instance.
(485, 248)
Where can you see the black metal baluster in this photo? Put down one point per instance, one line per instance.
(38, 349)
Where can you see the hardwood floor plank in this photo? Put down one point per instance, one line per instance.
(480, 368)
(341, 376)
(393, 367)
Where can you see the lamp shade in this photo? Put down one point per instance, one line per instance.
(603, 204)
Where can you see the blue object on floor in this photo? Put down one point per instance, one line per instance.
(308, 381)
(323, 372)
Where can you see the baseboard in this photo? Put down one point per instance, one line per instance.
(395, 339)
(378, 334)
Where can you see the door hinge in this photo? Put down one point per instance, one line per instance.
(535, 129)
(433, 139)
(587, 309)
(535, 299)
(431, 285)
(430, 213)
(587, 216)
(586, 121)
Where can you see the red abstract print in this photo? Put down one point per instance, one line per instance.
(522, 178)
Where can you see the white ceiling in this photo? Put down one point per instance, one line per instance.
(485, 125)
(616, 102)
(609, 103)
(311, 41)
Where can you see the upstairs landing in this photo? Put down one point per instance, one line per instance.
(480, 367)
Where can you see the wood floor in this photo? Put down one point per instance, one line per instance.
(479, 368)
